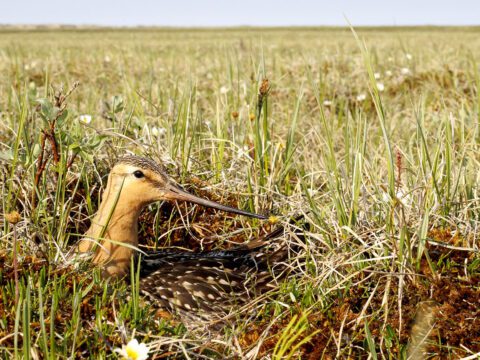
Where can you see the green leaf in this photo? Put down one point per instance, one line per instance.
(61, 118)
(36, 150)
(6, 155)
(74, 146)
(46, 109)
(117, 104)
(86, 156)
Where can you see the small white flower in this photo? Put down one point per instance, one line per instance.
(224, 90)
(86, 119)
(312, 192)
(377, 76)
(107, 59)
(405, 71)
(158, 132)
(361, 97)
(408, 56)
(405, 197)
(388, 73)
(380, 86)
(327, 103)
(390, 59)
(243, 152)
(133, 351)
(32, 65)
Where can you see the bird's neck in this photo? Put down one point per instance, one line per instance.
(113, 231)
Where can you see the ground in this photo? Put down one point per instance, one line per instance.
(371, 136)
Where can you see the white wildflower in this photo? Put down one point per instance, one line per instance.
(158, 132)
(404, 196)
(388, 73)
(224, 90)
(401, 195)
(327, 103)
(312, 192)
(361, 97)
(380, 86)
(86, 119)
(107, 59)
(376, 75)
(408, 56)
(133, 351)
(243, 152)
(32, 65)
(405, 71)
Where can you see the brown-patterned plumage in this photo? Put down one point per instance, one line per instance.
(210, 283)
(206, 282)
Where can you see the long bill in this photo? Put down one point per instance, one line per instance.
(175, 193)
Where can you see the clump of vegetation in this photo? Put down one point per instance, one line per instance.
(374, 140)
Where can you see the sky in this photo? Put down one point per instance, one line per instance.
(208, 13)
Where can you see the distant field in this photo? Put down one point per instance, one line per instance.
(376, 146)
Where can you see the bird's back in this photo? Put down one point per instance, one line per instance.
(209, 282)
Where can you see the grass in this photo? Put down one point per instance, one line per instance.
(385, 176)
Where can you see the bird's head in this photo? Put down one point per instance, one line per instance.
(144, 182)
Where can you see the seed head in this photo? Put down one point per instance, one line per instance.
(13, 217)
(264, 88)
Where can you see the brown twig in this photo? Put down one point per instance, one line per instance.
(49, 134)
(398, 164)
(53, 144)
(71, 160)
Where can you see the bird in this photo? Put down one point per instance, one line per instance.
(208, 282)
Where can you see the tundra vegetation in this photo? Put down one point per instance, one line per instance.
(371, 137)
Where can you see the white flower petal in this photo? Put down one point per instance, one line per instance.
(361, 97)
(158, 132)
(86, 119)
(133, 351)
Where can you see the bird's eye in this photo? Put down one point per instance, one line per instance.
(138, 174)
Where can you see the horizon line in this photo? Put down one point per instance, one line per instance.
(150, 26)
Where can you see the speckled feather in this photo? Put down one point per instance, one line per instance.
(209, 283)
